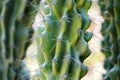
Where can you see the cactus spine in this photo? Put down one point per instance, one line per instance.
(15, 19)
(111, 32)
(62, 42)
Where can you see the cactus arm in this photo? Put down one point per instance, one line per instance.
(65, 30)
(12, 36)
(110, 12)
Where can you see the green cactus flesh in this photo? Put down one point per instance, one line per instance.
(111, 32)
(62, 42)
(15, 19)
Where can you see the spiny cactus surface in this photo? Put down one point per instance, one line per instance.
(62, 39)
(111, 31)
(15, 20)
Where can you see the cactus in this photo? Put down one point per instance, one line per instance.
(111, 32)
(62, 39)
(16, 17)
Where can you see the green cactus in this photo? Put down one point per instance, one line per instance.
(62, 42)
(16, 17)
(111, 32)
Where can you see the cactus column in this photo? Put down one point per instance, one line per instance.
(111, 32)
(62, 39)
(16, 17)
